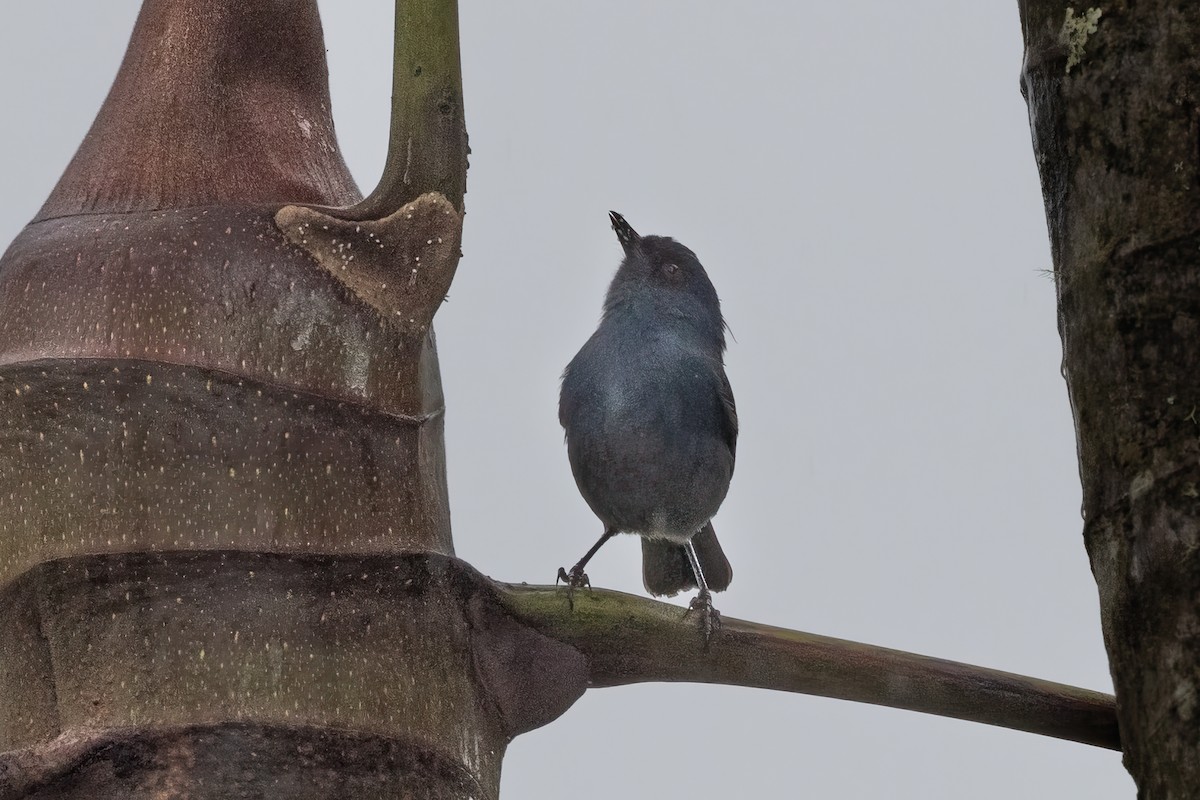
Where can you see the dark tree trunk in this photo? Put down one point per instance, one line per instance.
(1113, 96)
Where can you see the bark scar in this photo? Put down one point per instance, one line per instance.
(401, 265)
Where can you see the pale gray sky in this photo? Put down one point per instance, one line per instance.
(858, 180)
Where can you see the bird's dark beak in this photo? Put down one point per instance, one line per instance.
(628, 236)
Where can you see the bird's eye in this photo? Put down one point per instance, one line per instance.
(671, 269)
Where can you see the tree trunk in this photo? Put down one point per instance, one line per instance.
(1113, 94)
(225, 546)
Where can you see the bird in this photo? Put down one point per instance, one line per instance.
(650, 421)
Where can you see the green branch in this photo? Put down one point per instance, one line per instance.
(427, 147)
(629, 639)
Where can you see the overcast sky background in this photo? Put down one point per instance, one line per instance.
(859, 182)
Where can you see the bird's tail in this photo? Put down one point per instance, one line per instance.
(667, 571)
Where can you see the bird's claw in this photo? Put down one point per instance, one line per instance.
(709, 617)
(574, 579)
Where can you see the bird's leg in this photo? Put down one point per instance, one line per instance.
(710, 618)
(577, 577)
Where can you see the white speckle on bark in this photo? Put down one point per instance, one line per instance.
(305, 125)
(1141, 484)
(358, 360)
(1184, 699)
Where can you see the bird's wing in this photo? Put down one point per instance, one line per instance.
(711, 387)
(565, 400)
(580, 380)
(729, 420)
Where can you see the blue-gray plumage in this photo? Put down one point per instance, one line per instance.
(650, 421)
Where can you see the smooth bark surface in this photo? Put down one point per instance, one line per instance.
(214, 102)
(1113, 93)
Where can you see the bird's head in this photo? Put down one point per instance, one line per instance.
(659, 271)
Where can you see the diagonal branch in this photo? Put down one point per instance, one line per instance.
(629, 639)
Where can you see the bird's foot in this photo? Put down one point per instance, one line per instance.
(709, 617)
(574, 579)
